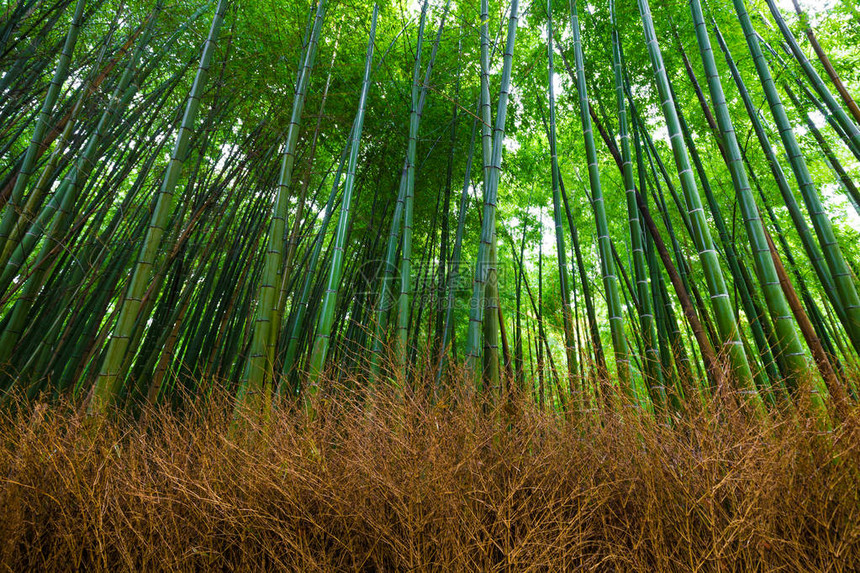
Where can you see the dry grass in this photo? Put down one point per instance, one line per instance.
(400, 484)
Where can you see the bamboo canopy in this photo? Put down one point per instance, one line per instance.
(265, 199)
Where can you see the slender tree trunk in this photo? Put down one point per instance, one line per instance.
(828, 66)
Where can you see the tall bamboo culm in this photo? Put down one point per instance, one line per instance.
(267, 323)
(111, 376)
(483, 262)
(788, 343)
(724, 313)
(327, 309)
(653, 371)
(839, 270)
(607, 265)
(567, 312)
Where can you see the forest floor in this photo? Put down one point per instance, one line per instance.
(402, 483)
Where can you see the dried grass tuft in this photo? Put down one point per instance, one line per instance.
(394, 481)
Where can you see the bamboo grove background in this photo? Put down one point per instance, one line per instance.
(579, 201)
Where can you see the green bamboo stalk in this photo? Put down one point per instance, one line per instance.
(812, 307)
(567, 313)
(761, 327)
(408, 206)
(484, 262)
(326, 317)
(267, 322)
(488, 325)
(36, 197)
(829, 117)
(445, 231)
(845, 180)
(454, 273)
(827, 65)
(111, 376)
(386, 299)
(519, 359)
(839, 270)
(10, 216)
(743, 284)
(720, 301)
(847, 124)
(599, 363)
(787, 340)
(671, 344)
(64, 199)
(810, 246)
(607, 268)
(293, 241)
(301, 308)
(654, 376)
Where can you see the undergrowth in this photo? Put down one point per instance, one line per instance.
(394, 481)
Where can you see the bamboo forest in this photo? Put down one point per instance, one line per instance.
(448, 285)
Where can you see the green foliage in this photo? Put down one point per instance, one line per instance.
(188, 323)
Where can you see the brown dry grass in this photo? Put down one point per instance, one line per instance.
(398, 483)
